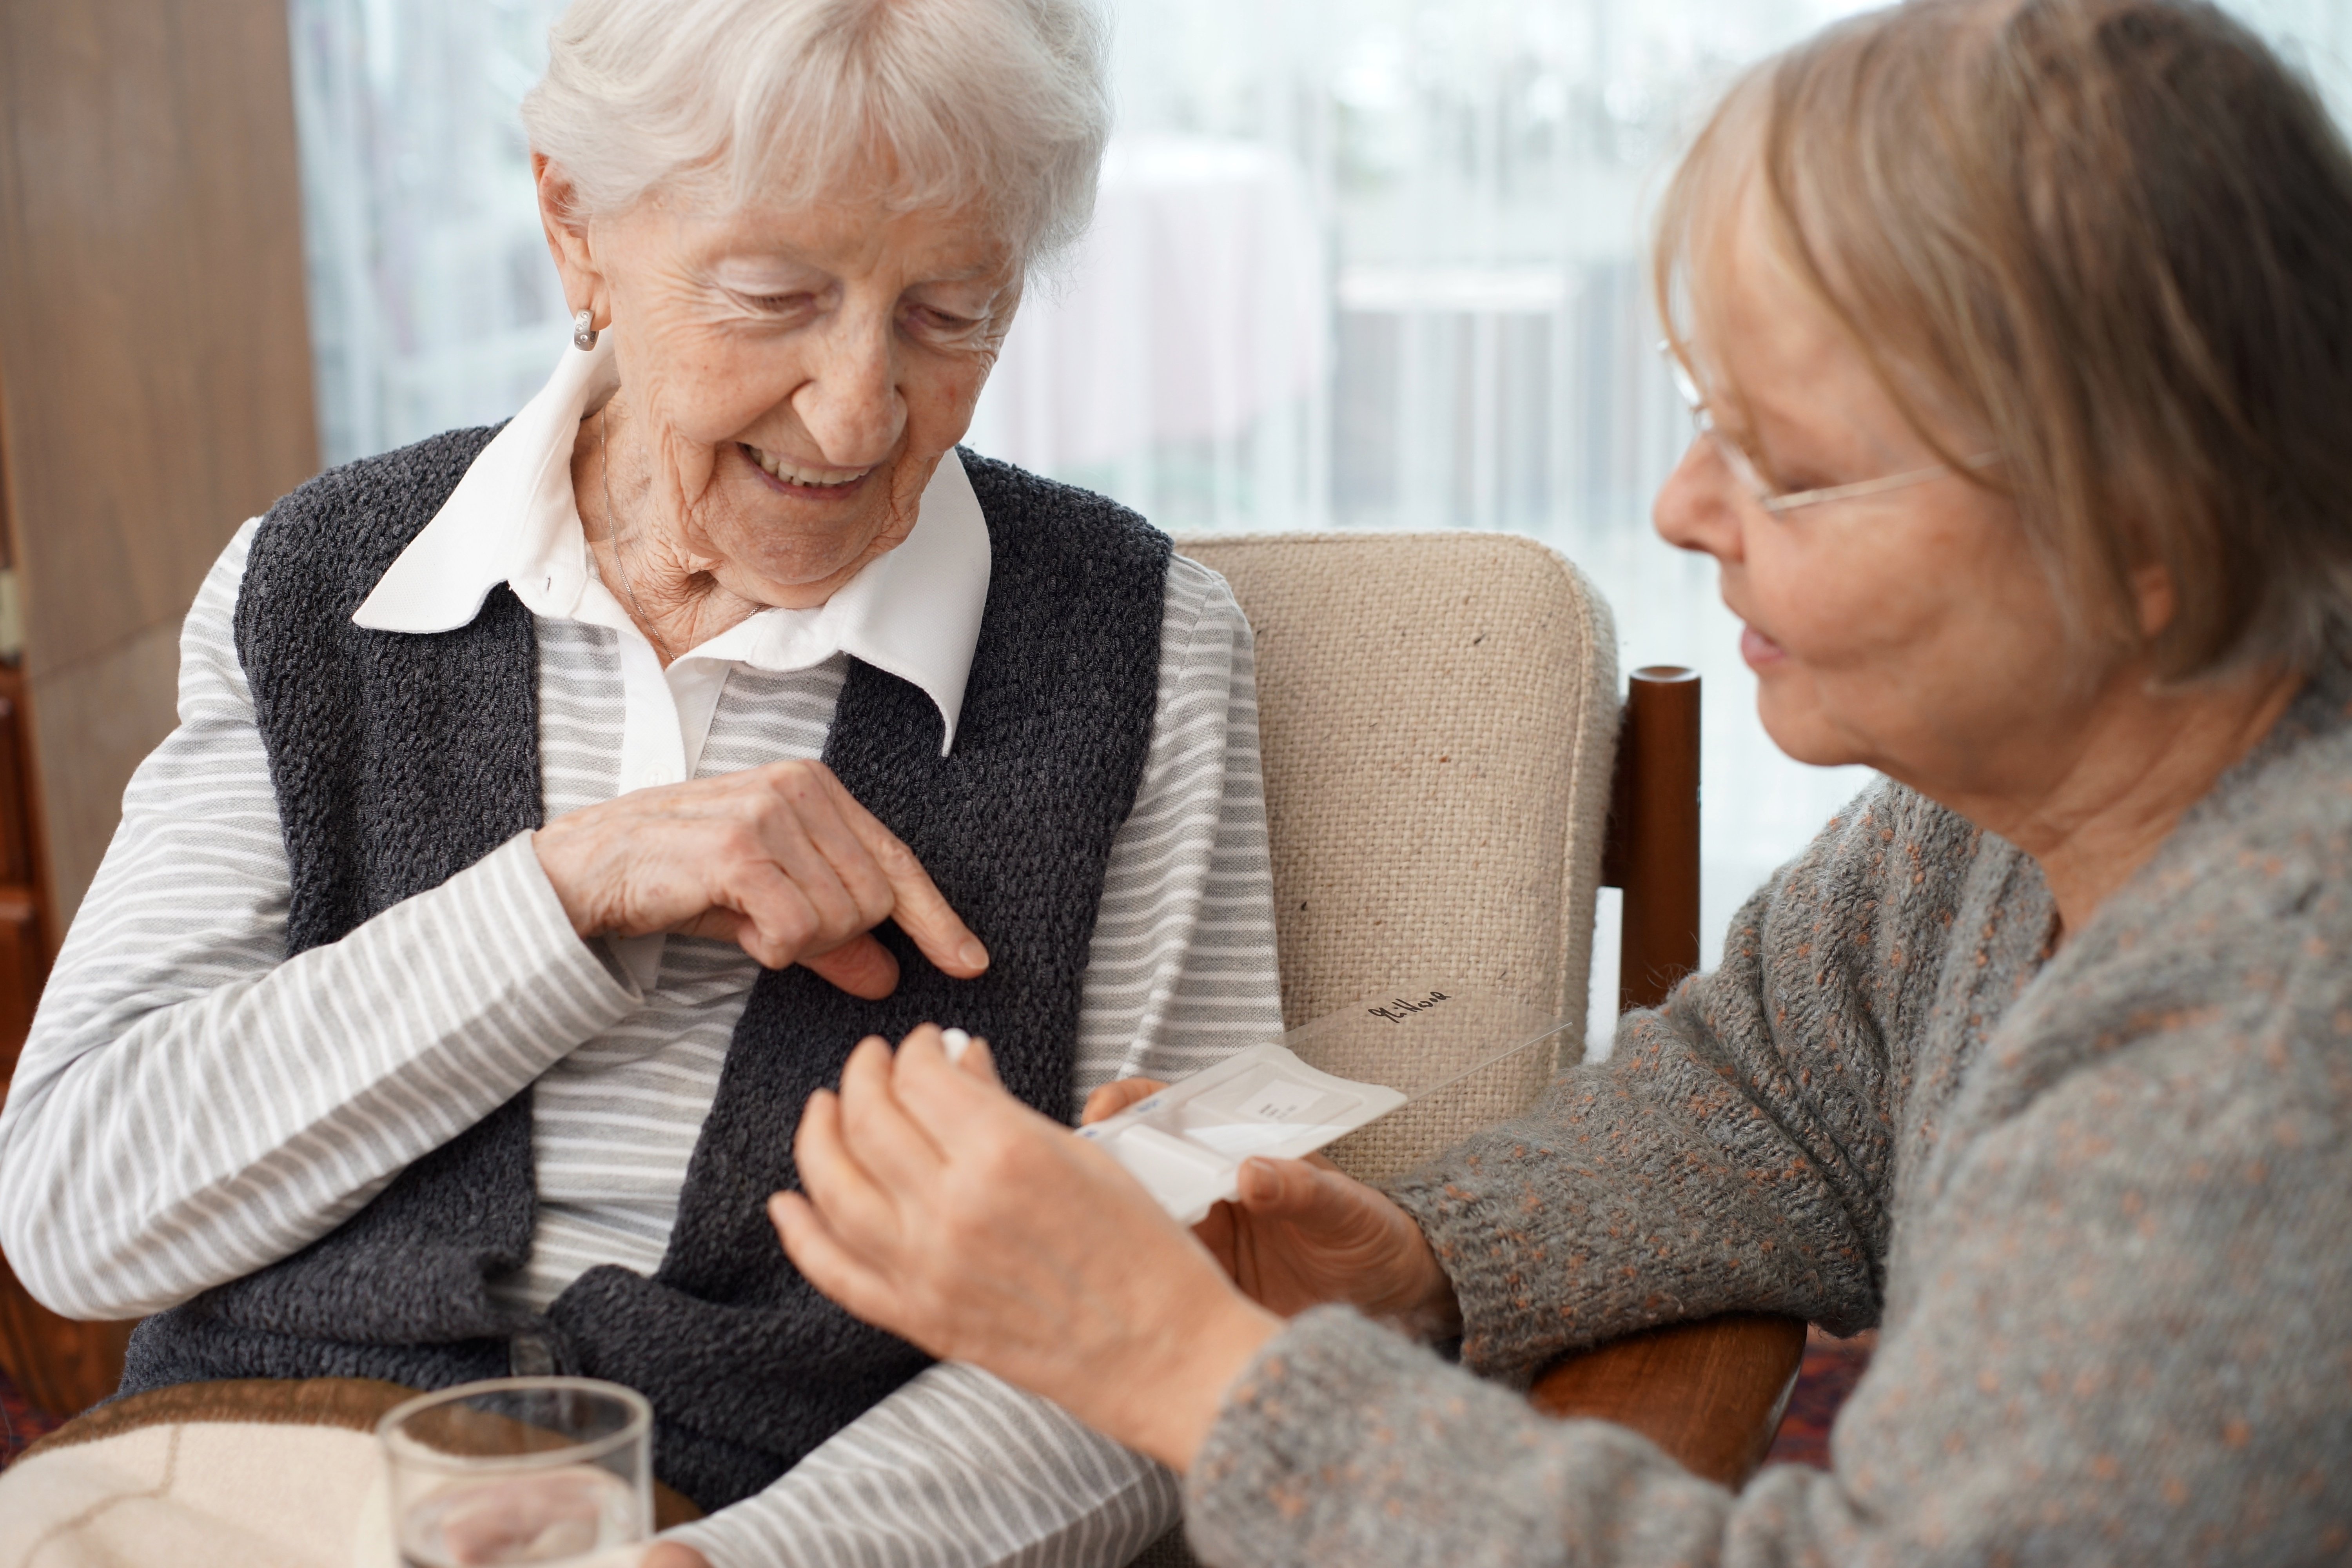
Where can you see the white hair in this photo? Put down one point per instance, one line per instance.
(999, 103)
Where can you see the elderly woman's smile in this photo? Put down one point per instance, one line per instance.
(808, 479)
(789, 380)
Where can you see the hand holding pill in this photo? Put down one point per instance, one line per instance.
(937, 1206)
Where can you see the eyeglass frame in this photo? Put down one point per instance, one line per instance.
(1743, 466)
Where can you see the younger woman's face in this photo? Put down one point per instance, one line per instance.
(1914, 631)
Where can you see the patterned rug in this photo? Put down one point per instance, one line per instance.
(20, 1424)
(1831, 1369)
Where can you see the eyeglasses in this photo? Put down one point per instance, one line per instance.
(1743, 466)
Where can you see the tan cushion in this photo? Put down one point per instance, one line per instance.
(1438, 716)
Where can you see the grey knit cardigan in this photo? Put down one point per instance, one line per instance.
(2099, 1206)
(400, 760)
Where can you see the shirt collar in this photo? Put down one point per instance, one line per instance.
(914, 611)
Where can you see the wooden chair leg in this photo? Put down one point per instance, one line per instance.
(1652, 851)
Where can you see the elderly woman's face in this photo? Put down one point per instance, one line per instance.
(1914, 631)
(797, 375)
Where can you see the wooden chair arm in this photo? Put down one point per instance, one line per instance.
(1711, 1392)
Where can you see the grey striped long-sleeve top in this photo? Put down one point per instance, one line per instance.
(193, 1105)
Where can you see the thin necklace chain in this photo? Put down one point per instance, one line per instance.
(613, 532)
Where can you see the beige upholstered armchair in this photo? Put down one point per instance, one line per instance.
(1438, 716)
(1441, 724)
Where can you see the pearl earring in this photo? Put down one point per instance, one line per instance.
(584, 331)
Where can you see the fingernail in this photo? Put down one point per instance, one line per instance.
(974, 956)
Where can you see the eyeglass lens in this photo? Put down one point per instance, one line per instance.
(1743, 468)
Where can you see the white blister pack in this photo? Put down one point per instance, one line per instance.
(1187, 1143)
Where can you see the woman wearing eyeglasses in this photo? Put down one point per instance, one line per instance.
(2022, 340)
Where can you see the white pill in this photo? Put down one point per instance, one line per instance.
(957, 1042)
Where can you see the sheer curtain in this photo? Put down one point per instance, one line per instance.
(432, 303)
(1357, 264)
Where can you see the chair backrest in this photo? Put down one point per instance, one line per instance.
(1439, 714)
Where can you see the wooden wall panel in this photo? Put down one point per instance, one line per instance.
(26, 940)
(154, 392)
(154, 354)
(97, 718)
(59, 1364)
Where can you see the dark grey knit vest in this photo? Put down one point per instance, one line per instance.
(400, 760)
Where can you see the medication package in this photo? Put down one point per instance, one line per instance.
(1186, 1143)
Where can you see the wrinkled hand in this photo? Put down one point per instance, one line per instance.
(1302, 1232)
(937, 1206)
(778, 859)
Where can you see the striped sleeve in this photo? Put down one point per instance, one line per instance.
(191, 1104)
(957, 1466)
(1181, 973)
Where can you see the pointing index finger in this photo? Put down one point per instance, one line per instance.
(920, 909)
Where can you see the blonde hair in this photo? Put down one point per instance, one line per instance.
(998, 104)
(2115, 234)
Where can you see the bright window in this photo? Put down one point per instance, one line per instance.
(1358, 264)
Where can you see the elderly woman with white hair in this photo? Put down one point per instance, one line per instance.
(554, 806)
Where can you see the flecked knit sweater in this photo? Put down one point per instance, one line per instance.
(400, 760)
(2099, 1206)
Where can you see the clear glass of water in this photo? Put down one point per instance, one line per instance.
(520, 1470)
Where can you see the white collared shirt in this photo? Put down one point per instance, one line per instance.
(192, 1104)
(914, 611)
